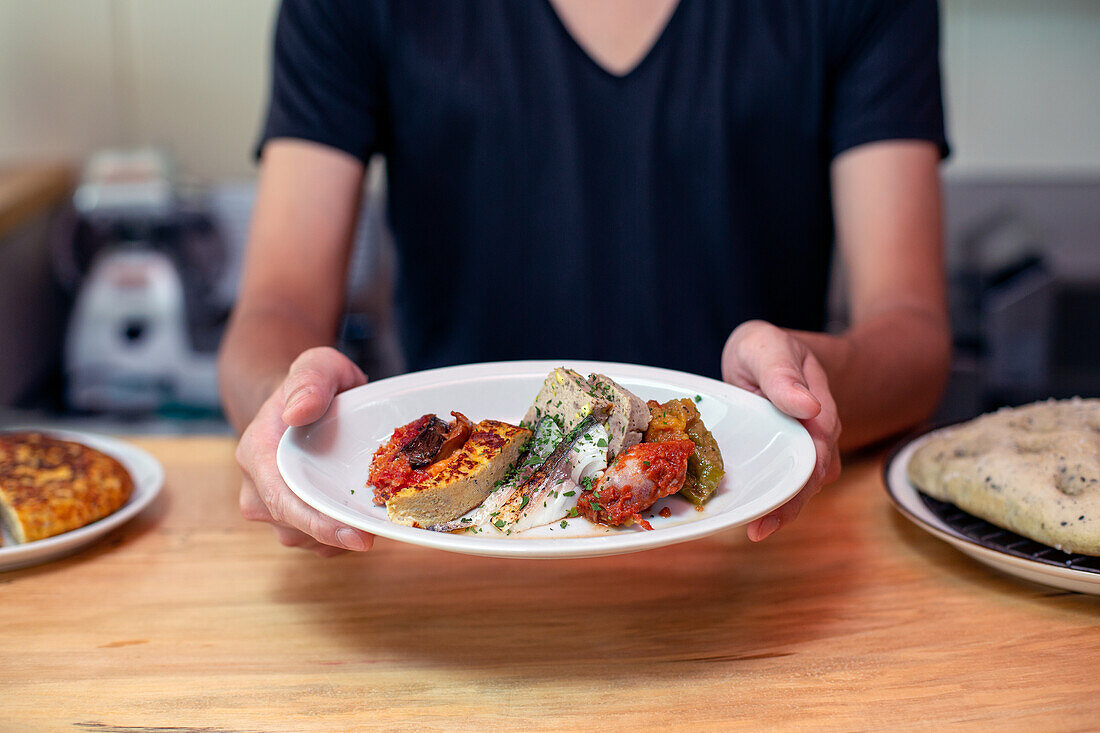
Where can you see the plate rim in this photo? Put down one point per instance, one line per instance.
(47, 549)
(989, 556)
(566, 547)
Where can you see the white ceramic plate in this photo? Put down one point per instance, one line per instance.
(909, 502)
(148, 477)
(768, 456)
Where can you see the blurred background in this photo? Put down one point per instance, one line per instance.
(126, 185)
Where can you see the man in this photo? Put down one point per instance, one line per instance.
(646, 181)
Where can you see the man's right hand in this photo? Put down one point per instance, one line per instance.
(314, 379)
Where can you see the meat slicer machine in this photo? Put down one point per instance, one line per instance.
(140, 261)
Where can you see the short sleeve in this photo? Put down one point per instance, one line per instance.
(325, 77)
(885, 74)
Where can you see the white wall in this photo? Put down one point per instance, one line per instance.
(58, 90)
(1022, 83)
(1022, 80)
(199, 78)
(190, 75)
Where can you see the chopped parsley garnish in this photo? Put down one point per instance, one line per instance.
(523, 503)
(570, 493)
(499, 523)
(564, 524)
(601, 443)
(698, 398)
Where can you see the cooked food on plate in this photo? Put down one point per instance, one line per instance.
(679, 420)
(641, 475)
(587, 449)
(50, 486)
(1034, 470)
(463, 479)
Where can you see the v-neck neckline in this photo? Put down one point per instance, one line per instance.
(591, 60)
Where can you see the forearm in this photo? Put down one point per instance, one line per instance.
(291, 293)
(259, 346)
(885, 373)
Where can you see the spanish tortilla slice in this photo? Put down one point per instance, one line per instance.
(50, 486)
(465, 479)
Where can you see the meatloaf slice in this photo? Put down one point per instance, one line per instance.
(568, 398)
(629, 414)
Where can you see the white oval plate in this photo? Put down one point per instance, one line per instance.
(909, 503)
(768, 456)
(148, 478)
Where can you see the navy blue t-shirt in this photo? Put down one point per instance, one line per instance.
(543, 207)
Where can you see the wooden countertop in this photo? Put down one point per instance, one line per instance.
(189, 618)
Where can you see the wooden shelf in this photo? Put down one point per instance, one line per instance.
(29, 189)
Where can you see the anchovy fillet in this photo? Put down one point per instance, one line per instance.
(552, 475)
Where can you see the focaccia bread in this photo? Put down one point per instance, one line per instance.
(50, 486)
(1034, 470)
(464, 481)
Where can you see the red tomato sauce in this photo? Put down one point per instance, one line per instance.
(389, 470)
(635, 480)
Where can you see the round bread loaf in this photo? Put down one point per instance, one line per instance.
(1034, 470)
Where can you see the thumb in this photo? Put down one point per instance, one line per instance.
(778, 370)
(313, 380)
(790, 394)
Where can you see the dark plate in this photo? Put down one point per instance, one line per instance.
(990, 536)
(979, 531)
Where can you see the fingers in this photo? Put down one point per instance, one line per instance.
(254, 509)
(288, 510)
(265, 497)
(771, 522)
(314, 378)
(784, 515)
(782, 381)
(289, 537)
(824, 427)
(763, 356)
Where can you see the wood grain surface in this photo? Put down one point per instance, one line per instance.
(190, 618)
